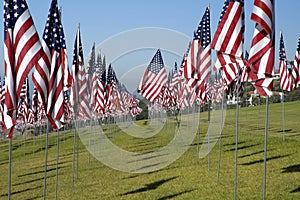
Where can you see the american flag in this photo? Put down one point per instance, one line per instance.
(229, 39)
(260, 67)
(23, 105)
(295, 71)
(22, 49)
(154, 78)
(79, 88)
(35, 104)
(114, 101)
(52, 72)
(2, 91)
(197, 65)
(285, 83)
(101, 87)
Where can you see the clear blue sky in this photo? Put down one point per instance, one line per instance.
(100, 20)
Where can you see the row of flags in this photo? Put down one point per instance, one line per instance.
(91, 93)
(53, 83)
(235, 65)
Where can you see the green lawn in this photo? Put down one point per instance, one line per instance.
(183, 179)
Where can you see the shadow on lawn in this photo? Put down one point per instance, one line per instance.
(262, 160)
(291, 168)
(34, 180)
(150, 186)
(254, 153)
(175, 195)
(41, 171)
(243, 147)
(295, 190)
(286, 130)
(21, 191)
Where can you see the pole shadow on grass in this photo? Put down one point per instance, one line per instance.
(285, 130)
(33, 180)
(175, 195)
(242, 147)
(23, 190)
(262, 160)
(254, 153)
(150, 186)
(295, 190)
(41, 171)
(291, 169)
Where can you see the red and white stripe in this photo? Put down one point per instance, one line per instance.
(228, 41)
(22, 49)
(261, 57)
(295, 71)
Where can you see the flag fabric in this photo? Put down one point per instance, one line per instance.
(101, 89)
(80, 85)
(260, 67)
(285, 83)
(34, 104)
(196, 67)
(22, 49)
(23, 105)
(154, 78)
(229, 39)
(52, 72)
(114, 102)
(295, 71)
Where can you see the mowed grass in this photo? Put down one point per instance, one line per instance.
(186, 178)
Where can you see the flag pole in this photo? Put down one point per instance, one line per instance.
(9, 167)
(265, 148)
(46, 160)
(236, 134)
(198, 132)
(220, 142)
(283, 125)
(208, 136)
(57, 152)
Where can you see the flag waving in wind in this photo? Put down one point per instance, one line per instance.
(154, 79)
(260, 67)
(22, 50)
(229, 39)
(285, 81)
(52, 72)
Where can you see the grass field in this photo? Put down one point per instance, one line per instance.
(183, 179)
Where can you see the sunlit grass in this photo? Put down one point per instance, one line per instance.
(186, 178)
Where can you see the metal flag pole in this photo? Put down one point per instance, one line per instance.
(236, 134)
(220, 142)
(9, 167)
(46, 160)
(258, 115)
(283, 125)
(57, 152)
(198, 133)
(208, 136)
(265, 148)
(74, 152)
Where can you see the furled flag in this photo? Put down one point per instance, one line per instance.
(114, 101)
(285, 83)
(23, 105)
(296, 65)
(52, 72)
(260, 67)
(154, 78)
(197, 65)
(22, 49)
(35, 105)
(229, 39)
(101, 87)
(79, 91)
